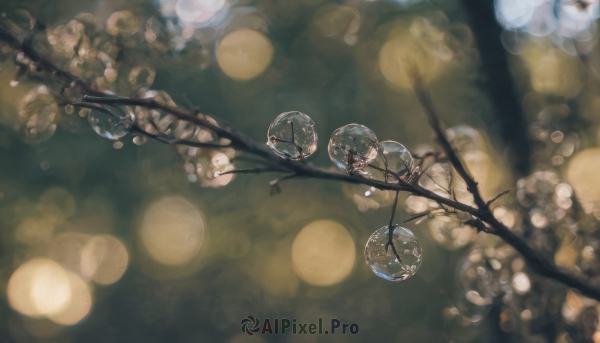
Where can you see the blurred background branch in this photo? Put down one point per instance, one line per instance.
(499, 84)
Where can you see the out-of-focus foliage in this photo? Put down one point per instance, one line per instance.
(125, 239)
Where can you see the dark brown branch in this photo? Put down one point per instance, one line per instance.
(427, 104)
(483, 214)
(477, 224)
(250, 171)
(241, 142)
(497, 197)
(14, 41)
(420, 215)
(132, 127)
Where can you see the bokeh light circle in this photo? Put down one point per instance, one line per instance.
(104, 259)
(244, 54)
(172, 231)
(403, 52)
(42, 287)
(323, 253)
(582, 174)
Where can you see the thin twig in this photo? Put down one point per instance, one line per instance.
(298, 169)
(483, 214)
(250, 171)
(496, 197)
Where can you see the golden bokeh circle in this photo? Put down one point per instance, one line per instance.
(402, 53)
(323, 253)
(79, 305)
(104, 259)
(38, 287)
(582, 174)
(244, 54)
(43, 288)
(172, 231)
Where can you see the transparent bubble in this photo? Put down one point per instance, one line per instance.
(384, 262)
(111, 123)
(352, 147)
(465, 138)
(393, 160)
(38, 115)
(293, 135)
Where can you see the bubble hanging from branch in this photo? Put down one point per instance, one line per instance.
(392, 162)
(293, 135)
(352, 147)
(110, 123)
(387, 264)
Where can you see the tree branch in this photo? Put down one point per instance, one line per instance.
(499, 83)
(537, 262)
(299, 169)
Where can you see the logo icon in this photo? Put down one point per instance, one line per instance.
(250, 325)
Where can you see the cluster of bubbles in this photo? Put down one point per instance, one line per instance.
(392, 252)
(202, 165)
(556, 212)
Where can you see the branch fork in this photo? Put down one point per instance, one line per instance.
(482, 217)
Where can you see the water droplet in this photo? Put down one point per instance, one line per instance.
(110, 123)
(352, 147)
(293, 135)
(392, 157)
(384, 262)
